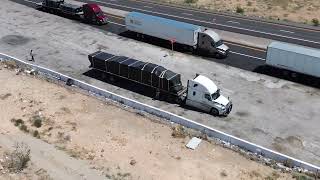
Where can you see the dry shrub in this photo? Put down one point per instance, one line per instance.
(17, 160)
(178, 132)
(10, 64)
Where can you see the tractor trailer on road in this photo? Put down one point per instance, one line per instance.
(295, 58)
(195, 38)
(90, 13)
(200, 93)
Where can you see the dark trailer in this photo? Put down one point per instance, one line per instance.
(149, 74)
(71, 9)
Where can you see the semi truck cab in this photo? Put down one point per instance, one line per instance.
(211, 43)
(202, 93)
(93, 13)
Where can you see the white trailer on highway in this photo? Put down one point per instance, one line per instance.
(195, 38)
(294, 58)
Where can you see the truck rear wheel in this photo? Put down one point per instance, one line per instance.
(214, 112)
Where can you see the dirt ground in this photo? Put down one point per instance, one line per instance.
(302, 11)
(270, 112)
(116, 141)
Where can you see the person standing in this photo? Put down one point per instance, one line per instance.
(32, 55)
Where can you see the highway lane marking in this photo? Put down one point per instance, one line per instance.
(212, 23)
(234, 22)
(117, 24)
(30, 1)
(286, 31)
(114, 16)
(245, 46)
(125, 25)
(228, 16)
(241, 54)
(188, 14)
(148, 7)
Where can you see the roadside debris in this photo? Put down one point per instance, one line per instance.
(193, 143)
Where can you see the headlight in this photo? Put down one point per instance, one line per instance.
(221, 51)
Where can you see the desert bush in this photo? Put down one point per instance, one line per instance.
(24, 128)
(178, 132)
(190, 1)
(315, 22)
(240, 10)
(17, 122)
(36, 134)
(37, 121)
(17, 160)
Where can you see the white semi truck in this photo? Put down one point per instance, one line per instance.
(195, 38)
(200, 93)
(295, 58)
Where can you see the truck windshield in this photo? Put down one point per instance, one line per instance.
(216, 94)
(217, 44)
(99, 13)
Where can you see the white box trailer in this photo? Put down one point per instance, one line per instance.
(294, 57)
(194, 37)
(181, 32)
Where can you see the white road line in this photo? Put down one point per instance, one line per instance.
(230, 51)
(117, 23)
(254, 57)
(30, 1)
(256, 31)
(148, 7)
(234, 22)
(287, 31)
(188, 14)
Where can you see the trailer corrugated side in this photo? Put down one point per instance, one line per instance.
(163, 28)
(145, 73)
(295, 58)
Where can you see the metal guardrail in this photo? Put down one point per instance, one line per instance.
(210, 132)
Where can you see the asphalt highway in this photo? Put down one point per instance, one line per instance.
(280, 32)
(241, 56)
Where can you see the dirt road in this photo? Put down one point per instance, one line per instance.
(111, 140)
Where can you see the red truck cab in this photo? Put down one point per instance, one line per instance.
(93, 13)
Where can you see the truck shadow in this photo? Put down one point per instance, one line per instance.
(163, 43)
(125, 84)
(289, 75)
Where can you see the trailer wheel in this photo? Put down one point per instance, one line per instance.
(214, 112)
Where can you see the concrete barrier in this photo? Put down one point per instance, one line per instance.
(211, 132)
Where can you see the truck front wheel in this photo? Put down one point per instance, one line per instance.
(214, 112)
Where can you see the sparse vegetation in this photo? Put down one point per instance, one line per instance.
(17, 122)
(299, 176)
(5, 96)
(190, 1)
(36, 134)
(17, 160)
(37, 121)
(249, 3)
(223, 173)
(315, 21)
(24, 128)
(178, 132)
(240, 10)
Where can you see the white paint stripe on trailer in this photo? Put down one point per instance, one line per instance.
(211, 132)
(224, 25)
